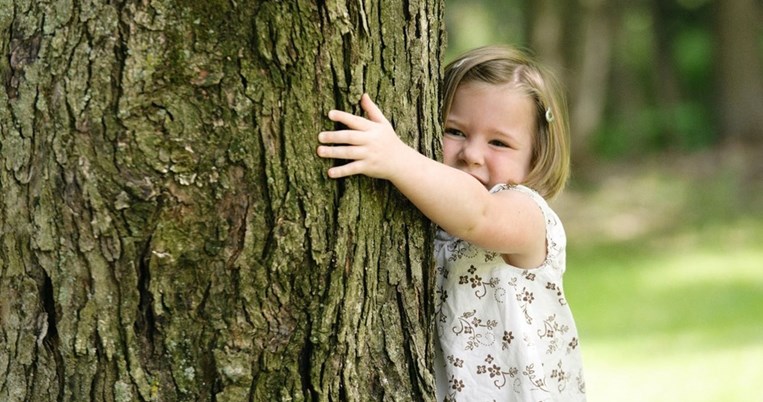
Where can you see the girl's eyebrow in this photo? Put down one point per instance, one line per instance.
(505, 134)
(501, 135)
(451, 120)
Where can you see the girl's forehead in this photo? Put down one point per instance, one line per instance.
(509, 84)
(495, 108)
(482, 88)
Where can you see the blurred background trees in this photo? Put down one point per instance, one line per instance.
(643, 76)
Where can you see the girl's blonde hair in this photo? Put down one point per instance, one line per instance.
(550, 162)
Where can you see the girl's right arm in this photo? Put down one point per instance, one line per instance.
(507, 222)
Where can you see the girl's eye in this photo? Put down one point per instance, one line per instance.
(499, 144)
(454, 133)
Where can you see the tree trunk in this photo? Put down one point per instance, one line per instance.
(575, 40)
(590, 85)
(739, 71)
(167, 232)
(546, 32)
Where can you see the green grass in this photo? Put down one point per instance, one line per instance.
(671, 309)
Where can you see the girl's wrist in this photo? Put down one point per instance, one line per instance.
(405, 164)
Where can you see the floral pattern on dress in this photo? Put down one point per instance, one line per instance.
(505, 333)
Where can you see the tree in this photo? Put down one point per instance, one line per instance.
(739, 71)
(575, 39)
(167, 232)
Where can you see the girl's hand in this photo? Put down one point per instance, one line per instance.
(371, 144)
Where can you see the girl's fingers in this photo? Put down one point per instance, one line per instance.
(349, 120)
(350, 142)
(340, 137)
(374, 113)
(349, 169)
(352, 153)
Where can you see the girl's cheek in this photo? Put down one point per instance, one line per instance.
(449, 154)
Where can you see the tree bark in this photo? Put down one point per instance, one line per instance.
(167, 232)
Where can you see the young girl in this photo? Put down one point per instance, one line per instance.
(504, 327)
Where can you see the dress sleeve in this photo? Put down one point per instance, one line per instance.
(556, 239)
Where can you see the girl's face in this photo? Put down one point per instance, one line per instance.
(489, 133)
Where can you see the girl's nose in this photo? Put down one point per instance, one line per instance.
(472, 154)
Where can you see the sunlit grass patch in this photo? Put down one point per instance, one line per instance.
(673, 311)
(684, 326)
(634, 371)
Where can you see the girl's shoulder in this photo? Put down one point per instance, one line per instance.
(556, 238)
(518, 187)
(534, 195)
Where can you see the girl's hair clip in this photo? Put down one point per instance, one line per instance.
(549, 115)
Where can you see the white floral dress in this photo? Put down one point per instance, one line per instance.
(505, 333)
